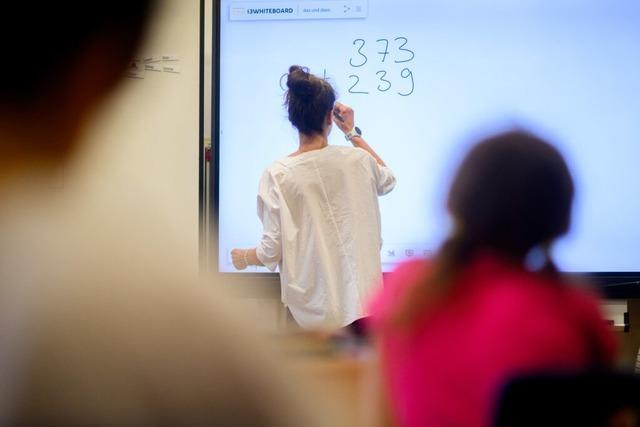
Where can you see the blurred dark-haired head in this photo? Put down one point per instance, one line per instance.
(512, 192)
(309, 100)
(44, 41)
(65, 57)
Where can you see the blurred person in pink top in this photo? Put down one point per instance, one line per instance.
(491, 305)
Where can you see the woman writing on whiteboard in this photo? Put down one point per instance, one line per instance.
(319, 210)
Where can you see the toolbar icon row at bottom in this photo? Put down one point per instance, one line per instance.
(395, 253)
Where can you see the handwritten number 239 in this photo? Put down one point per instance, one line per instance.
(384, 83)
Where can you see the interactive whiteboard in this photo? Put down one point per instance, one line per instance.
(427, 78)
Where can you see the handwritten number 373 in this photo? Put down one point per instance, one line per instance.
(404, 54)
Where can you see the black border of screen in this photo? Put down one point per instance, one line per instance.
(613, 284)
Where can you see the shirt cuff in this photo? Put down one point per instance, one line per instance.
(388, 182)
(270, 262)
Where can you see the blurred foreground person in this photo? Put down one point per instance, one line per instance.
(99, 327)
(491, 305)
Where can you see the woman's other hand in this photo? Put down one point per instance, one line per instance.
(239, 259)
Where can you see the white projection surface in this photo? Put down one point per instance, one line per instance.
(426, 78)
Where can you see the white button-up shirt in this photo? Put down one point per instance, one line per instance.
(321, 226)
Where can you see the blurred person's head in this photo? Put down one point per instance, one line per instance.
(97, 335)
(511, 197)
(512, 193)
(309, 102)
(63, 58)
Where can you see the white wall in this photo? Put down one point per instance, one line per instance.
(142, 151)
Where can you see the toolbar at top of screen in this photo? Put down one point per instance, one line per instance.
(300, 10)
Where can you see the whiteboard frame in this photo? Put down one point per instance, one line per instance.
(612, 284)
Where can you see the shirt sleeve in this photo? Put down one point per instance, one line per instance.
(269, 250)
(383, 175)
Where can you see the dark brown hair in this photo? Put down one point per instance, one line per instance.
(512, 193)
(43, 40)
(308, 100)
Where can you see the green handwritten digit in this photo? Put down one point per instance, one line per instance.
(352, 88)
(407, 74)
(402, 48)
(385, 52)
(382, 79)
(364, 58)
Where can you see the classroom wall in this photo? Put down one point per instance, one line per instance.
(142, 149)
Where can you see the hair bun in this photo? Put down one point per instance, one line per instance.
(299, 82)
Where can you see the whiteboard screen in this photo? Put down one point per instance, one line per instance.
(428, 77)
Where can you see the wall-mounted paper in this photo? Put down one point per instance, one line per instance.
(135, 70)
(152, 58)
(171, 68)
(153, 66)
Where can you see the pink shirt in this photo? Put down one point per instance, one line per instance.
(500, 321)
